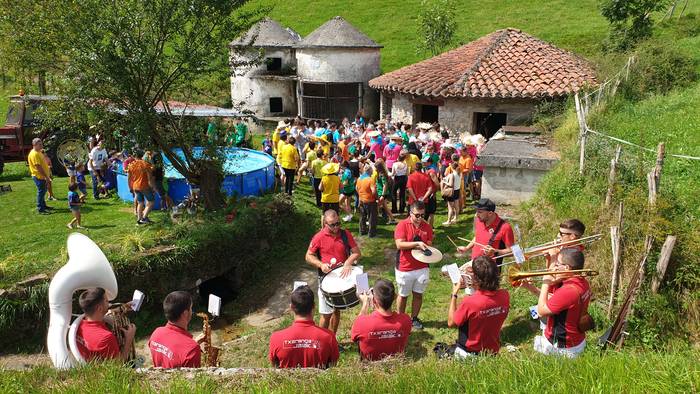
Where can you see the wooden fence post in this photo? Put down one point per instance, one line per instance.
(654, 177)
(611, 176)
(663, 263)
(580, 115)
(616, 243)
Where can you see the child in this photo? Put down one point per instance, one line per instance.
(267, 144)
(74, 204)
(80, 181)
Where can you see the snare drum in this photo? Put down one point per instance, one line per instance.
(340, 293)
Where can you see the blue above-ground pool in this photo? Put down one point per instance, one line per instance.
(247, 172)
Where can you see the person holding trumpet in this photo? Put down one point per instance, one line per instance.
(566, 309)
(493, 236)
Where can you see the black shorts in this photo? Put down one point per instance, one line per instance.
(330, 205)
(453, 197)
(431, 205)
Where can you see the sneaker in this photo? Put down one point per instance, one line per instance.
(140, 222)
(51, 198)
(147, 220)
(417, 324)
(81, 227)
(447, 223)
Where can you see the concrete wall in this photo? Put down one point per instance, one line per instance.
(459, 114)
(254, 92)
(510, 185)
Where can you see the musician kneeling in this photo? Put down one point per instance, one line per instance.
(303, 344)
(383, 332)
(94, 338)
(480, 316)
(172, 345)
(565, 308)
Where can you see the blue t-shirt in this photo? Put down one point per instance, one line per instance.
(336, 136)
(73, 200)
(80, 179)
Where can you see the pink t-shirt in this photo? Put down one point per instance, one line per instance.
(391, 154)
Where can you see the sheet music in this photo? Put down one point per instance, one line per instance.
(518, 253)
(214, 305)
(137, 300)
(362, 282)
(299, 283)
(455, 275)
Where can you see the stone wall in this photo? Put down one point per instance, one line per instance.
(510, 185)
(402, 109)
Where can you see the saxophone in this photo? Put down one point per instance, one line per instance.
(211, 353)
(119, 322)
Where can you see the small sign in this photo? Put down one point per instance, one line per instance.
(455, 275)
(137, 300)
(518, 254)
(362, 282)
(533, 313)
(299, 283)
(214, 305)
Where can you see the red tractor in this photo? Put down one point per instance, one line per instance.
(20, 129)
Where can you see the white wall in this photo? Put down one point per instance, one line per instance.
(510, 185)
(337, 65)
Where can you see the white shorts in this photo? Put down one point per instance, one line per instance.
(323, 307)
(412, 281)
(543, 346)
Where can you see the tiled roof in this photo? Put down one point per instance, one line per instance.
(337, 33)
(267, 33)
(506, 63)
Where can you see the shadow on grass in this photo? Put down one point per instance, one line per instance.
(416, 343)
(519, 331)
(11, 178)
(101, 226)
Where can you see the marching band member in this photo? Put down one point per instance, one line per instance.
(480, 316)
(412, 276)
(490, 230)
(172, 345)
(331, 243)
(303, 344)
(383, 332)
(95, 340)
(565, 307)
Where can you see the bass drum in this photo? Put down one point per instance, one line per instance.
(340, 293)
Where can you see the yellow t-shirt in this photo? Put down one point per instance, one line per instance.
(280, 145)
(331, 189)
(288, 156)
(325, 145)
(316, 166)
(275, 141)
(411, 161)
(37, 159)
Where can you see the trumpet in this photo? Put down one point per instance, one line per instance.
(211, 353)
(541, 250)
(516, 276)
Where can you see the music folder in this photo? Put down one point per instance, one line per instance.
(214, 305)
(299, 283)
(362, 282)
(137, 300)
(518, 253)
(455, 275)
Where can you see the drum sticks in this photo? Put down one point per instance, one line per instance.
(472, 241)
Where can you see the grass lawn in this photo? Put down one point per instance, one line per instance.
(31, 243)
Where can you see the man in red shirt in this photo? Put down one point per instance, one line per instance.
(172, 345)
(420, 187)
(491, 230)
(303, 344)
(383, 332)
(330, 248)
(412, 276)
(480, 316)
(564, 308)
(95, 340)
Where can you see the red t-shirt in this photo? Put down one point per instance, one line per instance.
(303, 345)
(406, 231)
(483, 235)
(330, 246)
(567, 303)
(480, 318)
(419, 182)
(173, 347)
(379, 336)
(96, 341)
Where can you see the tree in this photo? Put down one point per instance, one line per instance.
(437, 25)
(630, 20)
(133, 55)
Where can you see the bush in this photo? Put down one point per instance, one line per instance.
(659, 68)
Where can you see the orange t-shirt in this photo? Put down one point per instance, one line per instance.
(139, 171)
(364, 189)
(466, 163)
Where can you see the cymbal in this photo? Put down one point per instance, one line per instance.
(429, 256)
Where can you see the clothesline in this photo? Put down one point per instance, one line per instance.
(589, 130)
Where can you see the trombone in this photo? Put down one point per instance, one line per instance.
(541, 250)
(515, 276)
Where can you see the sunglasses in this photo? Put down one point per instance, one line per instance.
(336, 224)
(419, 215)
(563, 234)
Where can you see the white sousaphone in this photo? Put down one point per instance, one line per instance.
(87, 267)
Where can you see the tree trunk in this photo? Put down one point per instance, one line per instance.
(42, 83)
(210, 180)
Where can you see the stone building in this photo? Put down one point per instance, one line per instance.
(325, 75)
(494, 81)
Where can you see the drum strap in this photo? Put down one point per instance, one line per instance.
(348, 249)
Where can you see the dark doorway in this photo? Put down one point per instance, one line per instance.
(276, 105)
(428, 113)
(488, 123)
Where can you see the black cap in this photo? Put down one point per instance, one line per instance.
(485, 204)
